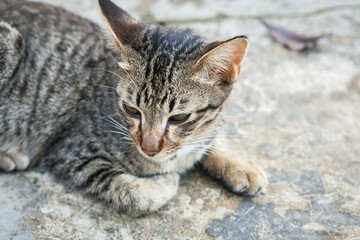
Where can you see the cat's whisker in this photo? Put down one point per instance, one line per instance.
(125, 133)
(121, 133)
(110, 119)
(207, 151)
(205, 141)
(231, 114)
(199, 141)
(118, 128)
(199, 146)
(223, 136)
(204, 138)
(209, 131)
(209, 137)
(177, 147)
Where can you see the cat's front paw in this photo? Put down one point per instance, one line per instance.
(239, 177)
(13, 160)
(138, 196)
(244, 178)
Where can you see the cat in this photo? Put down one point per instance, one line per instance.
(118, 120)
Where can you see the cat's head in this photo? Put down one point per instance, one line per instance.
(173, 83)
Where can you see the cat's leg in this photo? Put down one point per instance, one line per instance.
(100, 177)
(13, 160)
(238, 176)
(12, 47)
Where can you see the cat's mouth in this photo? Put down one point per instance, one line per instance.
(160, 156)
(153, 146)
(171, 153)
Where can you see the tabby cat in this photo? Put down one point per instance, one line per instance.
(117, 119)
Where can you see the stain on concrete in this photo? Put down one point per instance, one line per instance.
(354, 84)
(251, 220)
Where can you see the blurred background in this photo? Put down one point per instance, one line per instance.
(296, 114)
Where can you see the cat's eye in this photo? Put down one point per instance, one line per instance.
(131, 111)
(179, 118)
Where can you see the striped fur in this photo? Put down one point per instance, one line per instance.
(63, 87)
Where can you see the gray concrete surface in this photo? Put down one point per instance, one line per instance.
(297, 115)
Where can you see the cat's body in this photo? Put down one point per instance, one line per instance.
(66, 78)
(93, 114)
(39, 91)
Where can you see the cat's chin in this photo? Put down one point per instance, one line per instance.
(179, 154)
(159, 159)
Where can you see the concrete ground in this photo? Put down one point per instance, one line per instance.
(297, 115)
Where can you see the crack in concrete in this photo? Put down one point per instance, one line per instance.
(220, 16)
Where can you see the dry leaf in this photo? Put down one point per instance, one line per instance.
(291, 40)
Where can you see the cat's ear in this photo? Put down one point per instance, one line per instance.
(122, 25)
(222, 61)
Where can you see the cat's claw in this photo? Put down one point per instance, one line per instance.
(13, 161)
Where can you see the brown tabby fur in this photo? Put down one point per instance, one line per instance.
(117, 120)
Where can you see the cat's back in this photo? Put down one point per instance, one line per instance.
(22, 14)
(41, 89)
(57, 43)
(47, 25)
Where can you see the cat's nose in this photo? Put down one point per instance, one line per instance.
(151, 143)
